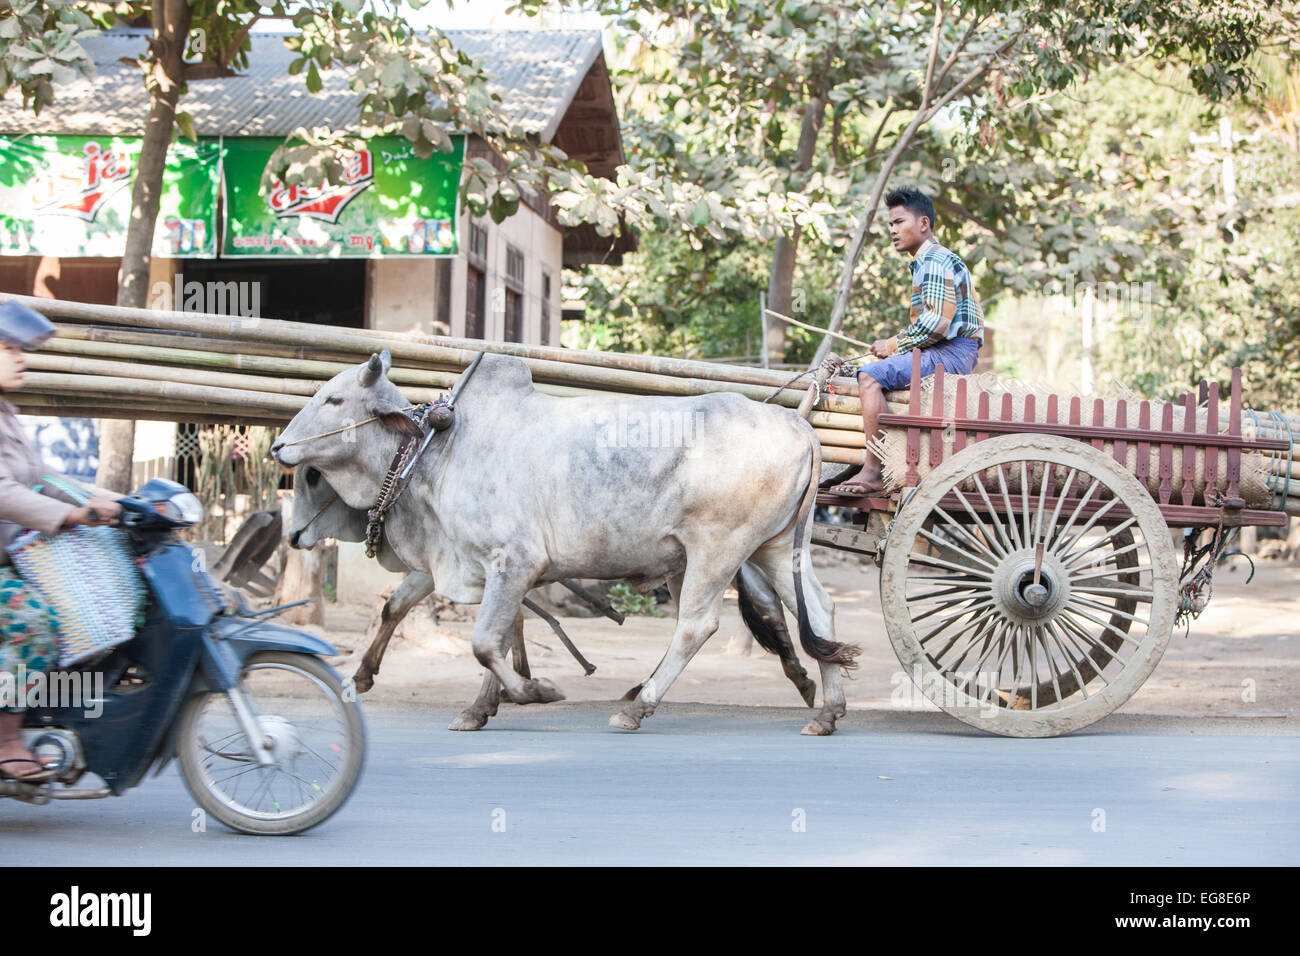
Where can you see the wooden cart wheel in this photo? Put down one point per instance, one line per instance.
(1029, 615)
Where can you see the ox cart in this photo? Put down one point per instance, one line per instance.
(1029, 576)
(1029, 572)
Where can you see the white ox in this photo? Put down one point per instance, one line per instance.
(317, 513)
(523, 489)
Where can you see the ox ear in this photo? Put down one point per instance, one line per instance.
(376, 368)
(396, 419)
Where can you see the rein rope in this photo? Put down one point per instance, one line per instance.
(334, 496)
(345, 428)
(836, 367)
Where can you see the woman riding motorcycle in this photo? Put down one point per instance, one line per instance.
(28, 627)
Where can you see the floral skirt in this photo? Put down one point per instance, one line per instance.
(28, 638)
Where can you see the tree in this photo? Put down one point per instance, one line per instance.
(407, 80)
(721, 95)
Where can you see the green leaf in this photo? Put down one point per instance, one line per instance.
(394, 73)
(186, 124)
(313, 79)
(700, 214)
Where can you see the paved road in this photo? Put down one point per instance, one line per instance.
(707, 784)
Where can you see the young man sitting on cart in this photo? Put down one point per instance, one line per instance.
(947, 324)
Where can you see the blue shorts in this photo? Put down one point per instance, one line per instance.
(958, 357)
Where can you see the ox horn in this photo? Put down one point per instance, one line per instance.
(378, 365)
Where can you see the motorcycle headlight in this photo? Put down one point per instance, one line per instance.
(182, 507)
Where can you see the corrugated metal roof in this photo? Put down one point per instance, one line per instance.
(536, 73)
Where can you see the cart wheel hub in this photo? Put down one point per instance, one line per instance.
(1023, 599)
(1035, 595)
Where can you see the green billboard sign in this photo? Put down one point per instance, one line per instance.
(390, 203)
(71, 196)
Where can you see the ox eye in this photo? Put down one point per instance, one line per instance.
(313, 476)
(334, 400)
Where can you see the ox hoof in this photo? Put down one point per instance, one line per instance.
(363, 681)
(818, 728)
(624, 721)
(468, 720)
(537, 691)
(808, 691)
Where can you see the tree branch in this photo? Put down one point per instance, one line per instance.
(975, 74)
(238, 41)
(956, 51)
(968, 215)
(940, 13)
(875, 138)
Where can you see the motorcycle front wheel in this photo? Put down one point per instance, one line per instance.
(314, 728)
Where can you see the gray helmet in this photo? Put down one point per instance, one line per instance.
(24, 327)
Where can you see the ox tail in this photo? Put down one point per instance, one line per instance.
(768, 631)
(818, 647)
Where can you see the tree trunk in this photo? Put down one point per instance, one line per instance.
(784, 254)
(171, 26)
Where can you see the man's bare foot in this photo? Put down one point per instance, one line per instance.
(866, 482)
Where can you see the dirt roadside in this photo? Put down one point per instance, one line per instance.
(1240, 660)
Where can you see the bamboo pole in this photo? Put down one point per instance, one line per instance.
(844, 456)
(198, 343)
(139, 370)
(551, 372)
(316, 373)
(239, 356)
(1292, 505)
(75, 406)
(439, 382)
(356, 340)
(103, 385)
(1280, 468)
(543, 371)
(1279, 484)
(840, 437)
(220, 354)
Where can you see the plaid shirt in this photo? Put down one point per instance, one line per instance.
(944, 304)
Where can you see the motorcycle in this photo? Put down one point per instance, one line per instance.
(269, 739)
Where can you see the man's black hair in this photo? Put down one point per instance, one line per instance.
(913, 200)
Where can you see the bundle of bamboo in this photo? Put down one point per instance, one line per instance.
(108, 361)
(111, 362)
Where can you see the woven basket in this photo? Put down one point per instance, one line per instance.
(89, 578)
